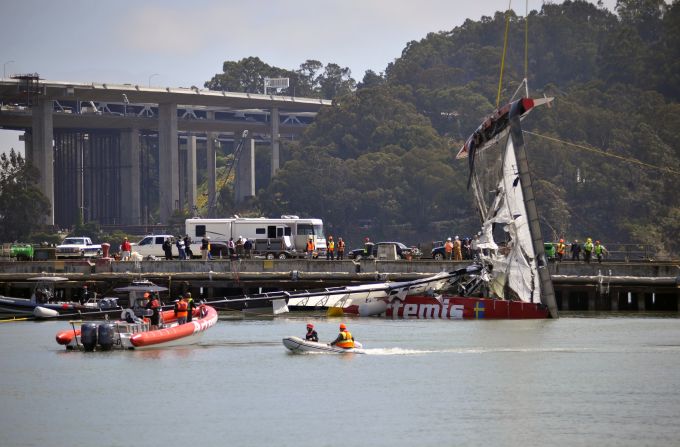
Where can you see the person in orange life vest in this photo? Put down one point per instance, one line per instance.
(311, 333)
(448, 249)
(457, 249)
(344, 339)
(560, 249)
(310, 247)
(181, 310)
(341, 249)
(330, 252)
(154, 305)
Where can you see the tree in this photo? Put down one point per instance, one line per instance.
(22, 205)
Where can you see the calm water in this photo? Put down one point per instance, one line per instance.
(574, 381)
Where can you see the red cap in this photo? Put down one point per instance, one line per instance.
(310, 326)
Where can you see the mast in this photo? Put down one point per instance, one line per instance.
(547, 291)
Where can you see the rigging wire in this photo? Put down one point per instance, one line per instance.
(605, 154)
(526, 46)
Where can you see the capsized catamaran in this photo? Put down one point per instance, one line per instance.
(511, 279)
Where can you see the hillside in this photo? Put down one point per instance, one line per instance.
(380, 163)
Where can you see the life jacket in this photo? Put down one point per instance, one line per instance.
(347, 340)
(331, 246)
(448, 247)
(588, 246)
(182, 308)
(598, 249)
(154, 304)
(560, 248)
(341, 245)
(310, 245)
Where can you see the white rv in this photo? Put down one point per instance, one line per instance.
(291, 230)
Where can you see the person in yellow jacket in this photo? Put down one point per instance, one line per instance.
(330, 250)
(345, 339)
(560, 249)
(588, 250)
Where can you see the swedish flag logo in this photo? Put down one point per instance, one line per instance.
(479, 310)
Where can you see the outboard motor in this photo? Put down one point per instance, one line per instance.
(88, 336)
(105, 334)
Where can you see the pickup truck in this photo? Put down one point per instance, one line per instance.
(78, 247)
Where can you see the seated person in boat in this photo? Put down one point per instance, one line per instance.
(311, 333)
(345, 339)
(191, 306)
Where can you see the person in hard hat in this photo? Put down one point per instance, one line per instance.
(311, 333)
(448, 249)
(588, 250)
(457, 249)
(309, 249)
(330, 249)
(345, 339)
(600, 251)
(560, 249)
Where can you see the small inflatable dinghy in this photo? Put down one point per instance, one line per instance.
(298, 345)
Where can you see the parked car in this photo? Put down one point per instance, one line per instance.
(403, 252)
(78, 247)
(438, 252)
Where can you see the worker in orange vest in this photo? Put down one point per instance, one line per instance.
(560, 249)
(181, 310)
(345, 339)
(310, 247)
(448, 249)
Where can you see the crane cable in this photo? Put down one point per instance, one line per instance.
(505, 48)
(605, 154)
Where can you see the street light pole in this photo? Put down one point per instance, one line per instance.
(4, 74)
(155, 74)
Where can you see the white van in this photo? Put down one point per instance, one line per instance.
(152, 245)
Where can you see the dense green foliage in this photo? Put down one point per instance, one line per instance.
(380, 163)
(21, 203)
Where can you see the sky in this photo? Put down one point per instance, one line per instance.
(172, 43)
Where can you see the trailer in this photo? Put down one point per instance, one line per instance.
(293, 231)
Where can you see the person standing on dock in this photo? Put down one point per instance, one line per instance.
(345, 339)
(205, 247)
(187, 246)
(125, 249)
(575, 250)
(167, 249)
(330, 252)
(179, 242)
(560, 249)
(311, 333)
(457, 250)
(310, 247)
(600, 251)
(588, 250)
(341, 249)
(248, 248)
(448, 249)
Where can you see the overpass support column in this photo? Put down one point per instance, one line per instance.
(245, 172)
(130, 186)
(191, 173)
(168, 154)
(211, 161)
(275, 140)
(42, 151)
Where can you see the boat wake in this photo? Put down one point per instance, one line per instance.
(397, 351)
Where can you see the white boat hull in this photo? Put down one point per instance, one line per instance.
(300, 346)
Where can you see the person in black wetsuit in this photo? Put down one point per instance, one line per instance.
(311, 333)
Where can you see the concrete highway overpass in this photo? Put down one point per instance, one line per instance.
(113, 152)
